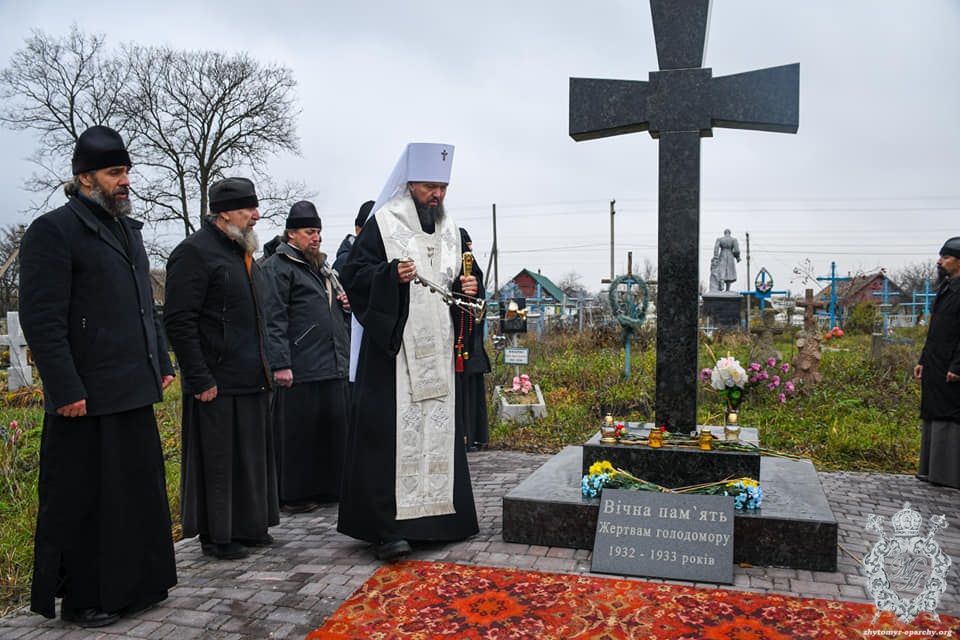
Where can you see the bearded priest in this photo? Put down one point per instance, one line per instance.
(406, 476)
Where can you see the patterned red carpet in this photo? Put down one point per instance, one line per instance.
(425, 600)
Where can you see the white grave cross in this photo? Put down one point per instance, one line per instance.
(19, 374)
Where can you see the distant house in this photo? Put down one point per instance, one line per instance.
(862, 288)
(539, 292)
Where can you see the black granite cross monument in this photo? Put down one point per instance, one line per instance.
(679, 105)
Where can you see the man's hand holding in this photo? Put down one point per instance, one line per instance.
(468, 284)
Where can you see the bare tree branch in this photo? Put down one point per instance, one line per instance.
(188, 117)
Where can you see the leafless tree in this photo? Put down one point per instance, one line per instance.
(10, 237)
(57, 87)
(571, 285)
(199, 116)
(189, 118)
(912, 277)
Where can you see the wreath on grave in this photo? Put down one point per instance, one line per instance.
(629, 319)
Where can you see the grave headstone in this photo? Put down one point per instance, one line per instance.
(680, 104)
(764, 346)
(19, 373)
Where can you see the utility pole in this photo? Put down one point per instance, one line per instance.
(612, 213)
(612, 273)
(496, 255)
(749, 283)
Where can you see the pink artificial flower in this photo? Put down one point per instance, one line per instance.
(783, 398)
(755, 367)
(705, 375)
(790, 387)
(771, 362)
(771, 386)
(13, 424)
(516, 383)
(754, 379)
(776, 381)
(762, 376)
(786, 367)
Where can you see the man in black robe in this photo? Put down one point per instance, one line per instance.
(214, 320)
(309, 355)
(939, 374)
(103, 539)
(406, 471)
(472, 418)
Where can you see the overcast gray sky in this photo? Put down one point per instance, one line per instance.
(870, 180)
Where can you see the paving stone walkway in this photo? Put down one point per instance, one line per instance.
(288, 589)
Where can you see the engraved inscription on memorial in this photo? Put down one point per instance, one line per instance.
(685, 537)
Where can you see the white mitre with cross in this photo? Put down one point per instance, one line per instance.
(419, 162)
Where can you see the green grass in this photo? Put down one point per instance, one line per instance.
(20, 469)
(862, 417)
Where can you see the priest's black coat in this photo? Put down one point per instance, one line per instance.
(86, 305)
(367, 501)
(940, 400)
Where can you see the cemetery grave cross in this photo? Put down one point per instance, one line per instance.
(20, 373)
(833, 279)
(763, 290)
(810, 306)
(680, 104)
(885, 295)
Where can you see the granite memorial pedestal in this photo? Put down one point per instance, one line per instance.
(722, 309)
(794, 528)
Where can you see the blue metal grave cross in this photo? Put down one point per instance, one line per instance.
(763, 289)
(833, 292)
(885, 305)
(680, 104)
(926, 296)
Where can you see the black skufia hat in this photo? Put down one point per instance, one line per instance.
(231, 194)
(951, 247)
(97, 148)
(364, 213)
(303, 215)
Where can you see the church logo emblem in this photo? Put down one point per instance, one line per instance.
(906, 573)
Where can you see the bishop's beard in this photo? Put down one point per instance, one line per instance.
(116, 207)
(245, 237)
(430, 216)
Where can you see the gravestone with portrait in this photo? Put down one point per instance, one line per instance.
(680, 104)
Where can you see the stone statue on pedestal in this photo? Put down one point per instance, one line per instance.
(723, 266)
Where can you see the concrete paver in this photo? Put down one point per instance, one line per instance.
(288, 589)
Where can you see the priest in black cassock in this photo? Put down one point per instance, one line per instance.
(308, 348)
(103, 539)
(406, 476)
(214, 320)
(471, 364)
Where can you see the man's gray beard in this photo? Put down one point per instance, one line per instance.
(116, 207)
(246, 237)
(429, 215)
